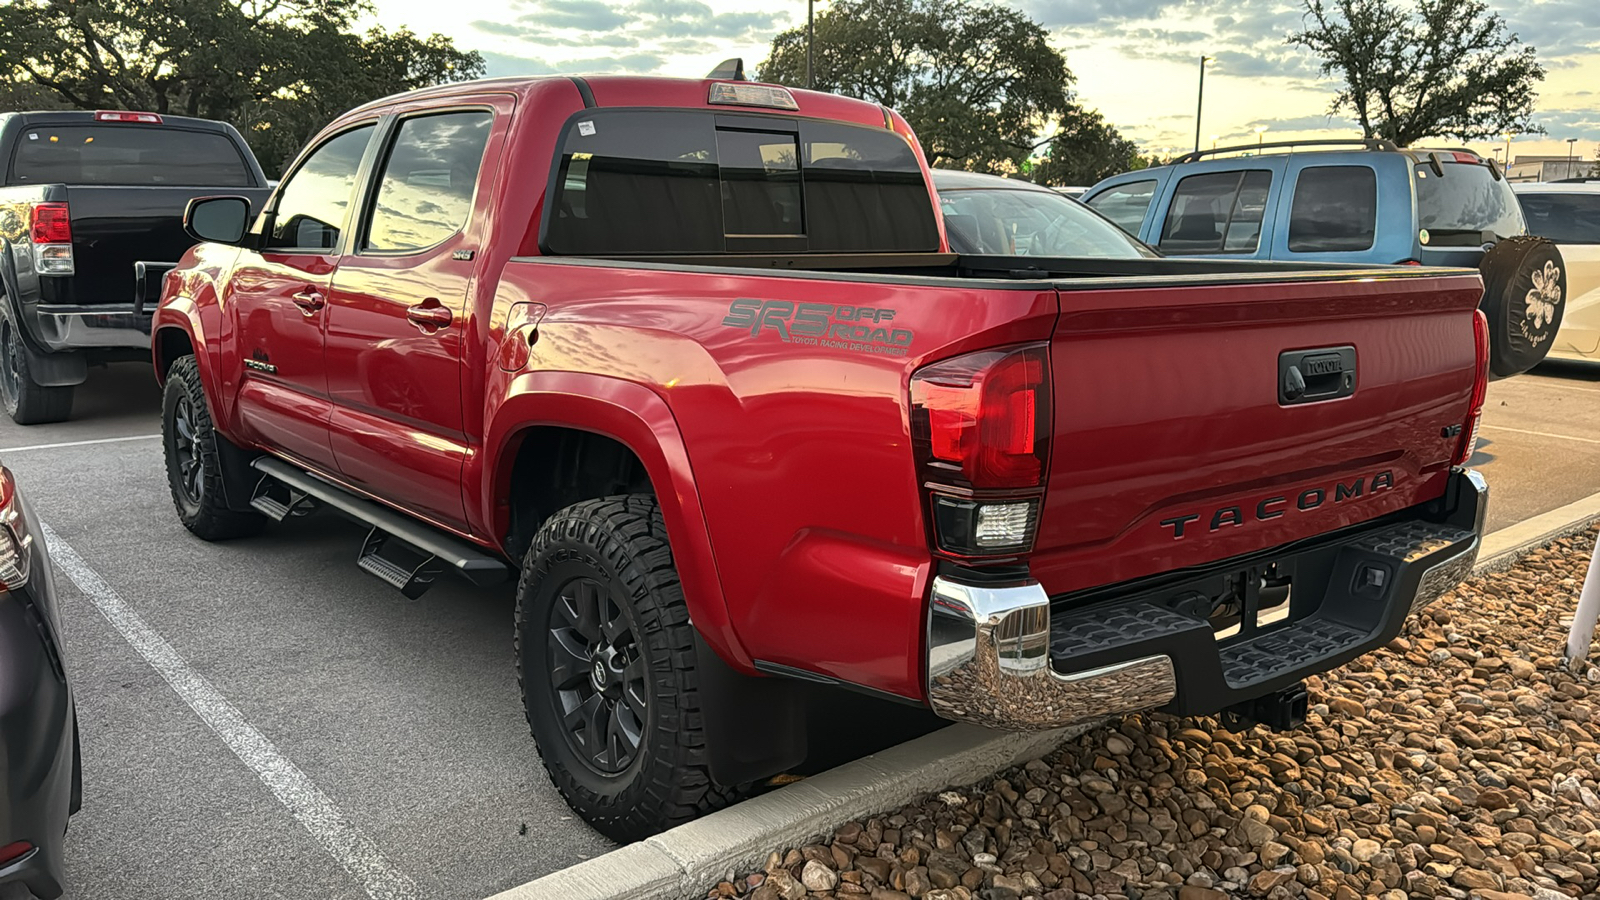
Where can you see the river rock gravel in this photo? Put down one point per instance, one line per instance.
(1462, 761)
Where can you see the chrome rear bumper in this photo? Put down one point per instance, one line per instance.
(990, 661)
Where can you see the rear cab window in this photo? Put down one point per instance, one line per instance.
(1456, 208)
(127, 155)
(1217, 212)
(1564, 218)
(1125, 204)
(687, 181)
(1335, 209)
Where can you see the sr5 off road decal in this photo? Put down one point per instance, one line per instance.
(862, 329)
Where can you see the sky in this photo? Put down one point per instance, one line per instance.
(1137, 61)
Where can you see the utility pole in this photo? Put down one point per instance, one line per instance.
(811, 41)
(1200, 104)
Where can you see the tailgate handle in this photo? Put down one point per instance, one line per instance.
(1311, 376)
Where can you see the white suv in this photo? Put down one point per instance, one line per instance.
(1568, 213)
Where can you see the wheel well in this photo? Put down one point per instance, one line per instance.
(171, 343)
(557, 467)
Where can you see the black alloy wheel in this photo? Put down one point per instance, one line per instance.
(187, 454)
(598, 674)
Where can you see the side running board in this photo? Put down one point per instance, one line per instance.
(399, 550)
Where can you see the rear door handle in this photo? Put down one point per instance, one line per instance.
(309, 300)
(429, 316)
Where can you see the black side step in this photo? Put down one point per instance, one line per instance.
(278, 501)
(395, 538)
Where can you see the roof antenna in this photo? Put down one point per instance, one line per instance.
(729, 70)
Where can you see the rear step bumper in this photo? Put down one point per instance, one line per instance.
(999, 656)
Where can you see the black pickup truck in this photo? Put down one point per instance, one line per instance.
(91, 220)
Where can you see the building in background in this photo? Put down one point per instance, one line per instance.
(1549, 168)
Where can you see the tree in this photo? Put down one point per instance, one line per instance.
(1443, 68)
(1086, 149)
(977, 82)
(278, 69)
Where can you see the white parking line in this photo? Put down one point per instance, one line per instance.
(1564, 437)
(343, 840)
(137, 437)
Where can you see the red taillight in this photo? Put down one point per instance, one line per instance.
(985, 417)
(1409, 262)
(50, 223)
(1463, 157)
(16, 542)
(113, 115)
(981, 429)
(1480, 390)
(10, 853)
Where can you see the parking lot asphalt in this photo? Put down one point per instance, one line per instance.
(403, 715)
(310, 733)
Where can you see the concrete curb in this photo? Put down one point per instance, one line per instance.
(682, 863)
(1504, 547)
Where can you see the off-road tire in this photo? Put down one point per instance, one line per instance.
(204, 512)
(26, 401)
(619, 543)
(1521, 331)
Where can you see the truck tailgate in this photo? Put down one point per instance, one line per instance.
(1172, 444)
(115, 226)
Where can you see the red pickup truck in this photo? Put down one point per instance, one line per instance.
(691, 361)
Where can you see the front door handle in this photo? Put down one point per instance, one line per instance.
(429, 316)
(309, 300)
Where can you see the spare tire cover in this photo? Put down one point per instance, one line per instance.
(1524, 298)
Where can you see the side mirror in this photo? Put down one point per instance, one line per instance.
(220, 220)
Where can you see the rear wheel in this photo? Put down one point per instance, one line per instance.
(194, 468)
(606, 661)
(1524, 299)
(26, 401)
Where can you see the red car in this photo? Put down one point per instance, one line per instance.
(692, 361)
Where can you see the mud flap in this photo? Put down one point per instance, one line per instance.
(755, 727)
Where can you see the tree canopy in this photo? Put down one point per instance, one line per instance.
(1085, 149)
(978, 82)
(277, 69)
(1432, 68)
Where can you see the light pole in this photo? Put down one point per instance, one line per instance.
(1214, 141)
(1200, 104)
(1570, 142)
(811, 40)
(1508, 136)
(1260, 130)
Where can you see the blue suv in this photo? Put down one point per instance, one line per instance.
(1367, 202)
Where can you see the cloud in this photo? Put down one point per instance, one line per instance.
(501, 64)
(581, 14)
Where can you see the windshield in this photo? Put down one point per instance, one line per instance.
(1466, 201)
(1009, 222)
(127, 155)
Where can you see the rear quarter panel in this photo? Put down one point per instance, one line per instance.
(798, 443)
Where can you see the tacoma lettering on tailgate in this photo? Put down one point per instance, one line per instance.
(1276, 507)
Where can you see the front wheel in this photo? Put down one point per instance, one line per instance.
(26, 401)
(606, 661)
(194, 468)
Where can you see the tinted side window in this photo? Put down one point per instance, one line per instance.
(312, 204)
(1563, 218)
(1217, 212)
(428, 180)
(1335, 209)
(647, 182)
(127, 155)
(1125, 204)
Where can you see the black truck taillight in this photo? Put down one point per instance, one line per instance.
(980, 425)
(50, 233)
(1480, 390)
